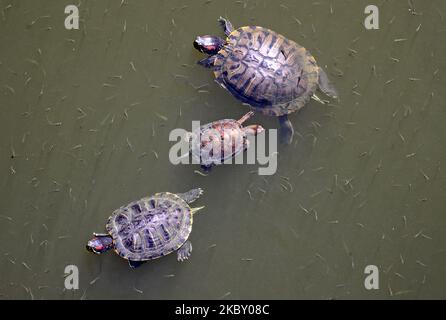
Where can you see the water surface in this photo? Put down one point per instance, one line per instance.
(85, 118)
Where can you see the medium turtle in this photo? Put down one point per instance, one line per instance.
(149, 228)
(215, 142)
(262, 68)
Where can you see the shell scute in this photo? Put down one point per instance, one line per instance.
(218, 141)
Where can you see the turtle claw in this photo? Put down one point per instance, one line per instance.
(185, 251)
(326, 86)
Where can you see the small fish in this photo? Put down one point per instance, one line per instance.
(94, 280)
(200, 173)
(227, 294)
(133, 66)
(26, 266)
(162, 117)
(138, 290)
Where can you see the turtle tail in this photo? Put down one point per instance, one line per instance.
(326, 86)
(195, 210)
(286, 130)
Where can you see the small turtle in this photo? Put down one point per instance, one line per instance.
(265, 70)
(215, 142)
(149, 228)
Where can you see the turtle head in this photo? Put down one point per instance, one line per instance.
(254, 129)
(100, 243)
(209, 44)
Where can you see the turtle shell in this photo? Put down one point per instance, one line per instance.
(215, 142)
(151, 227)
(264, 69)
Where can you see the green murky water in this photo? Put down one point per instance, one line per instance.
(85, 118)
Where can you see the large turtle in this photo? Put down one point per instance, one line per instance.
(149, 228)
(215, 142)
(262, 68)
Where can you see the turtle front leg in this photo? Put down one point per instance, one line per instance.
(206, 168)
(227, 25)
(207, 62)
(135, 264)
(326, 86)
(286, 130)
(185, 251)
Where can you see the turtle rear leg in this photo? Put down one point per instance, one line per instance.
(206, 168)
(185, 251)
(135, 264)
(286, 130)
(325, 85)
(191, 195)
(227, 25)
(246, 117)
